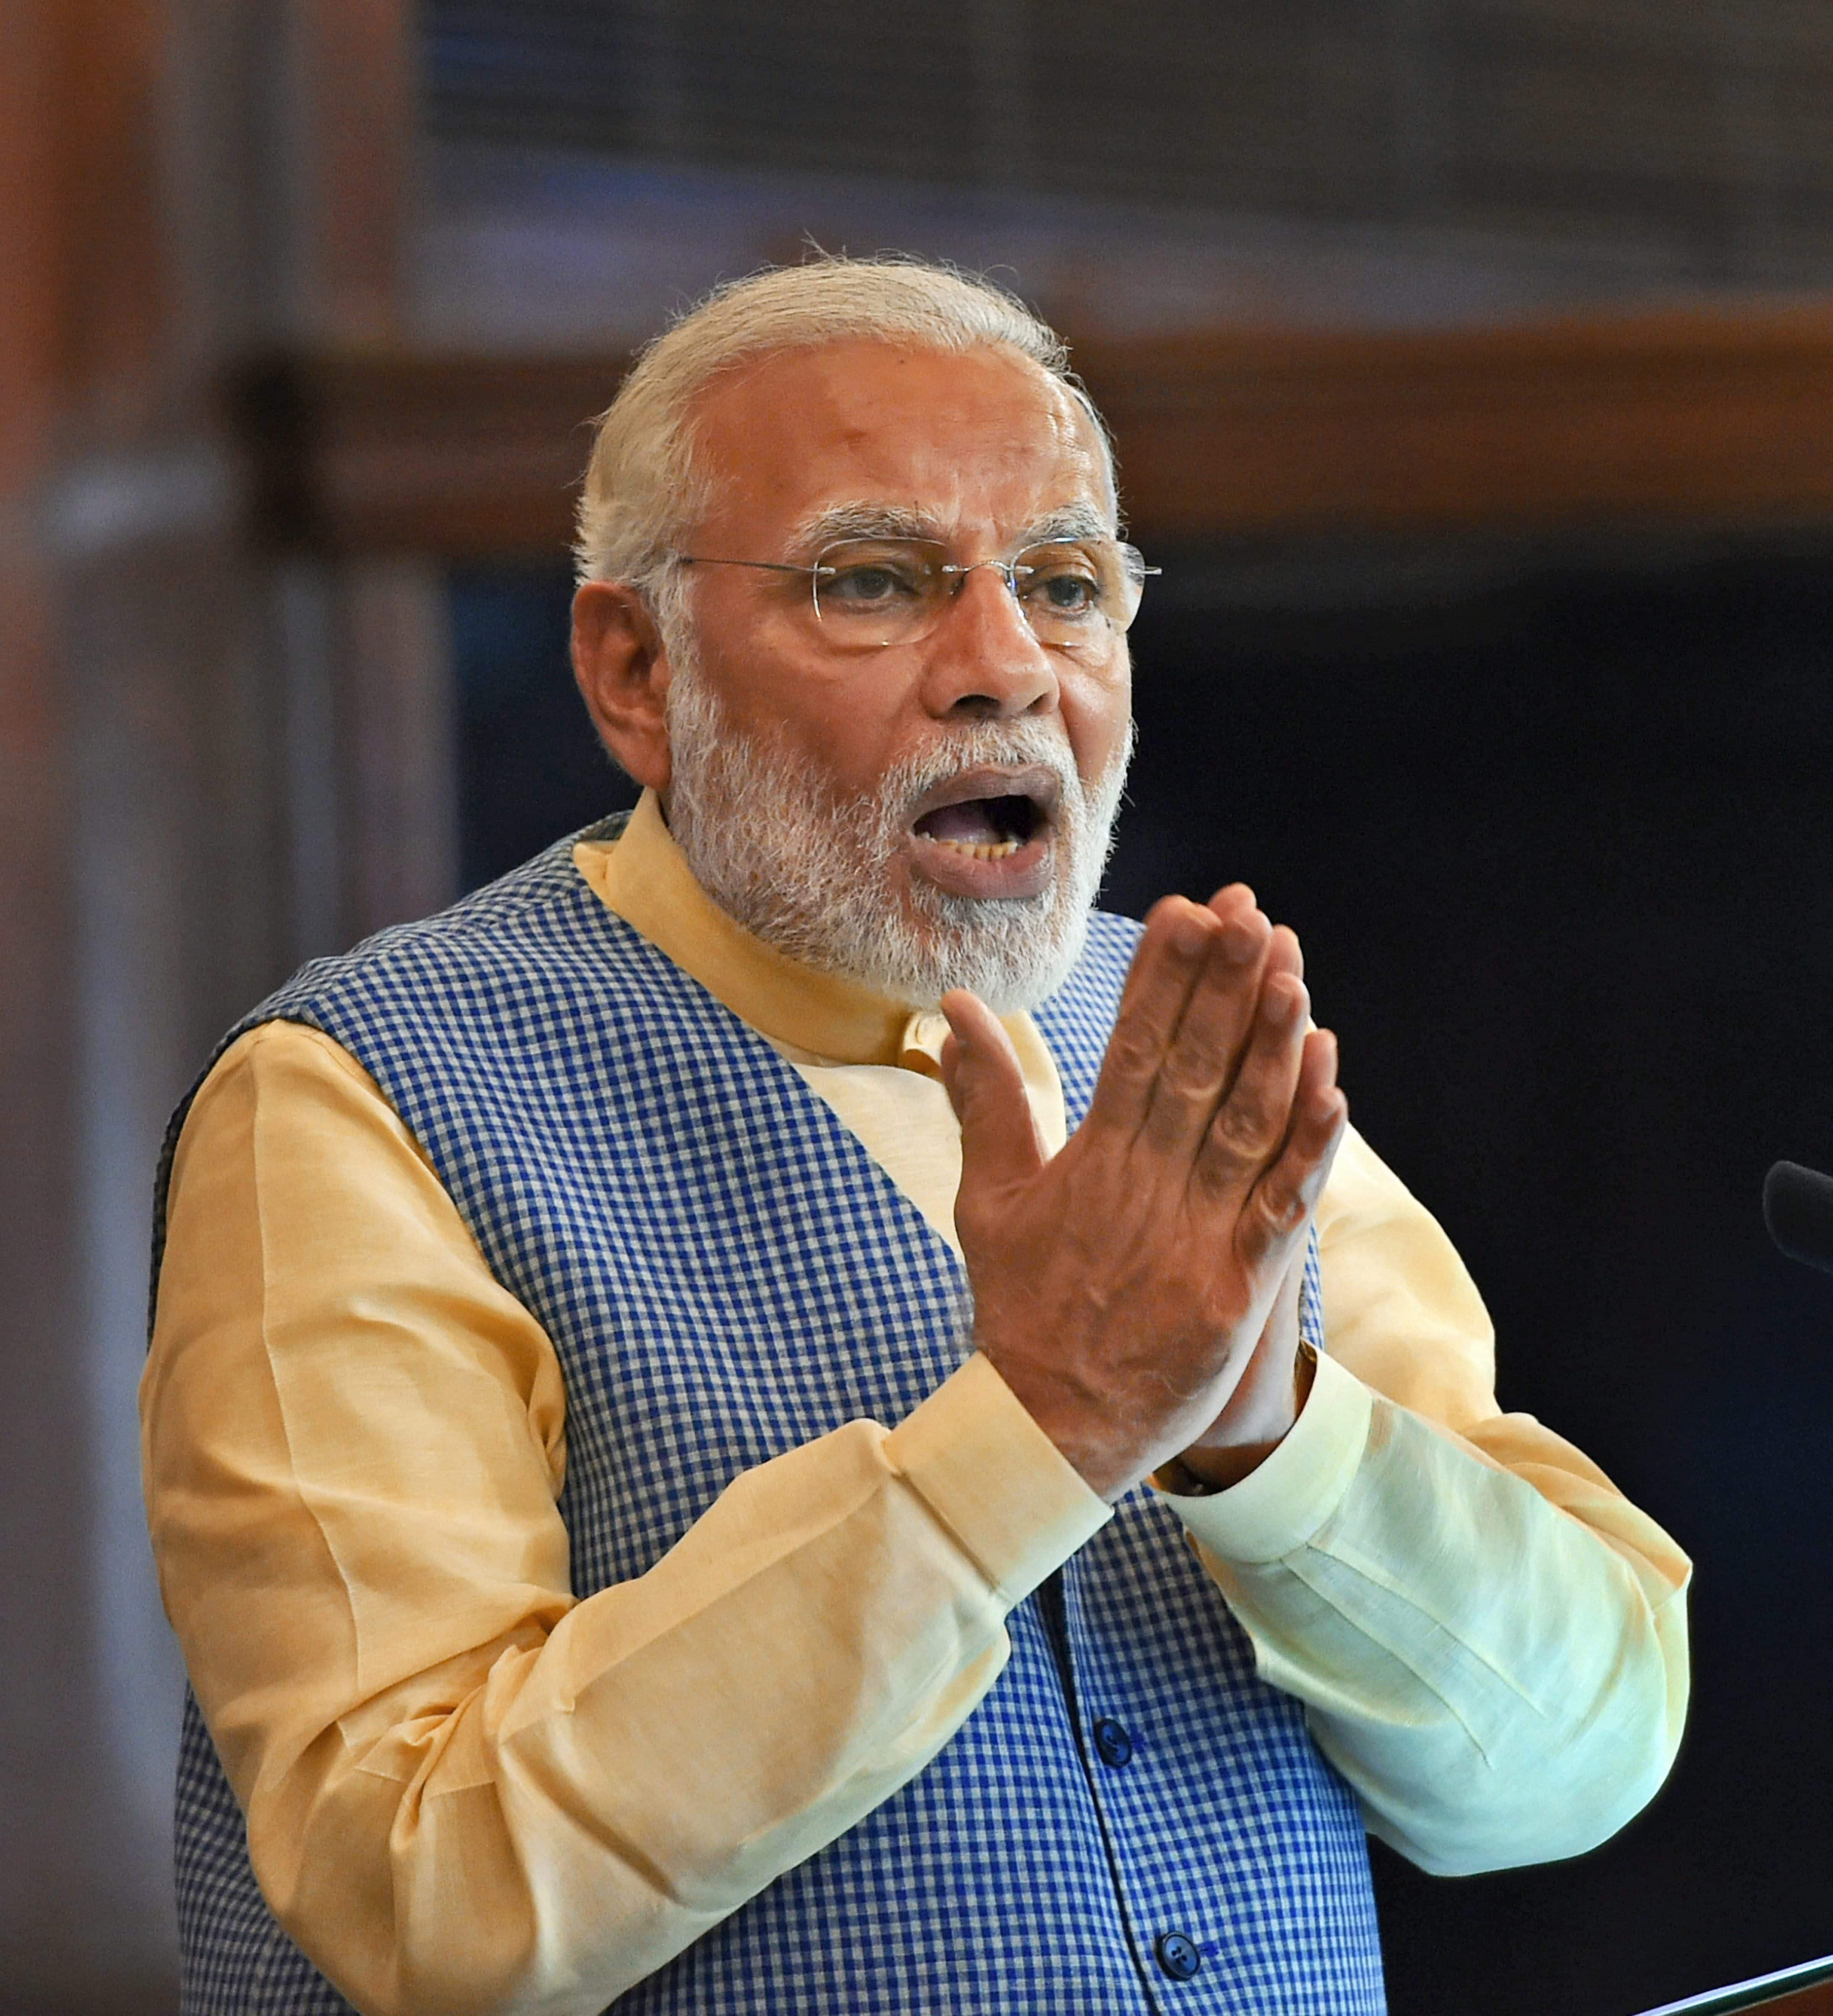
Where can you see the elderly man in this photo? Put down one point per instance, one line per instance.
(681, 1481)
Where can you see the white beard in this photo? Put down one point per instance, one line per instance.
(810, 873)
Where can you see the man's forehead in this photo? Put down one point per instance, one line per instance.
(927, 442)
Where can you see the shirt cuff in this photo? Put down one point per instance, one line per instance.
(1276, 1508)
(1013, 1503)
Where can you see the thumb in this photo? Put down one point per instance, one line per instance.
(985, 1084)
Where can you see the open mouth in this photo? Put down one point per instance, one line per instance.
(985, 829)
(990, 832)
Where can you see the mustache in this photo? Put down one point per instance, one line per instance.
(1017, 744)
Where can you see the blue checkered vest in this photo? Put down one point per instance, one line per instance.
(1130, 1819)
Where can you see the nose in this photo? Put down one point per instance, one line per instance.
(983, 660)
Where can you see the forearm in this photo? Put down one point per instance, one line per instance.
(544, 1823)
(1490, 1643)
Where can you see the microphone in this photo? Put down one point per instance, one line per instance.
(1798, 1208)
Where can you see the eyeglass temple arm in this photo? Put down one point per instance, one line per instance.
(773, 567)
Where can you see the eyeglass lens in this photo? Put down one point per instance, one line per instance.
(1074, 592)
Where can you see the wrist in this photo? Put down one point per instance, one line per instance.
(1083, 1432)
(1241, 1440)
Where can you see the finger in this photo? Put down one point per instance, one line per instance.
(1171, 957)
(985, 1084)
(1287, 1193)
(1236, 899)
(1255, 1116)
(1202, 1059)
(1283, 954)
(1225, 900)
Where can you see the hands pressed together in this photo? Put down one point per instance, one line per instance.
(1140, 1291)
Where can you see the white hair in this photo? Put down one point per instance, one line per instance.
(810, 872)
(642, 492)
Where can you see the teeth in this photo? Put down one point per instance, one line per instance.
(984, 850)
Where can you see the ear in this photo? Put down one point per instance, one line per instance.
(623, 674)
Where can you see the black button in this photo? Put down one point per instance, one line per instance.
(1112, 1743)
(1178, 1956)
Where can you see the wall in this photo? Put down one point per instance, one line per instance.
(212, 760)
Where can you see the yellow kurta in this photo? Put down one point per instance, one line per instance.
(466, 1789)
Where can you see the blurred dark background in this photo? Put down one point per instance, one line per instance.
(1472, 363)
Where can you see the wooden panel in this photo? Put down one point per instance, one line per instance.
(1808, 2002)
(65, 1837)
(114, 249)
(353, 81)
(392, 453)
(1677, 419)
(161, 163)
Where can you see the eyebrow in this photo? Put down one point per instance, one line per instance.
(1074, 521)
(862, 521)
(834, 522)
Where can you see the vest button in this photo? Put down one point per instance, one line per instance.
(1178, 1956)
(1112, 1743)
